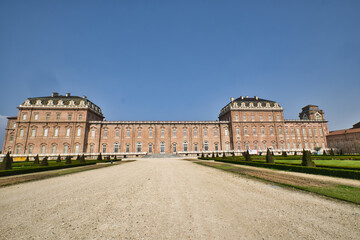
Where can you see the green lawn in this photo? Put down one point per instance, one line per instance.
(334, 163)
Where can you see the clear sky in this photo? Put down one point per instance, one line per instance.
(183, 60)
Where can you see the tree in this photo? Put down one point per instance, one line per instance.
(78, 157)
(44, 162)
(68, 160)
(295, 153)
(6, 163)
(36, 160)
(213, 155)
(58, 159)
(269, 157)
(324, 153)
(27, 159)
(82, 159)
(284, 154)
(247, 156)
(217, 154)
(99, 158)
(115, 157)
(306, 159)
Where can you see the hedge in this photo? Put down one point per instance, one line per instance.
(40, 169)
(352, 174)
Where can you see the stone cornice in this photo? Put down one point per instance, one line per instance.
(304, 121)
(159, 122)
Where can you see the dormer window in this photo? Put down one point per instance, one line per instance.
(259, 104)
(72, 103)
(38, 102)
(251, 104)
(318, 116)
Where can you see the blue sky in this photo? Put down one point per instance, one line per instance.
(183, 60)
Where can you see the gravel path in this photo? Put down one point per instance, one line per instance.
(168, 199)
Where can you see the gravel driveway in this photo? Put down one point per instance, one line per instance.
(168, 199)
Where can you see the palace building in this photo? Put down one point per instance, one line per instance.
(74, 125)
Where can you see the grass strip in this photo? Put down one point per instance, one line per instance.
(340, 192)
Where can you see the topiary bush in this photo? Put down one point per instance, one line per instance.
(247, 156)
(44, 162)
(36, 160)
(99, 158)
(284, 154)
(324, 153)
(58, 159)
(82, 159)
(224, 155)
(306, 159)
(269, 157)
(27, 159)
(68, 160)
(332, 153)
(213, 155)
(6, 163)
(217, 154)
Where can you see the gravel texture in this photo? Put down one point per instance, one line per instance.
(168, 199)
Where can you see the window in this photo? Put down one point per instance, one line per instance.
(139, 133)
(306, 145)
(105, 133)
(77, 148)
(286, 131)
(58, 116)
(185, 146)
(304, 132)
(174, 133)
(66, 148)
(312, 145)
(269, 117)
(205, 133)
(237, 131)
(244, 118)
(79, 132)
(264, 145)
(21, 133)
(261, 118)
(206, 146)
(69, 117)
(215, 132)
(226, 132)
(280, 131)
(14, 126)
(297, 131)
(292, 132)
(252, 118)
(46, 131)
(33, 131)
(315, 132)
(116, 147)
(288, 145)
(320, 132)
(31, 149)
(282, 145)
(174, 147)
(56, 133)
(239, 146)
(262, 131)
(318, 116)
(310, 133)
(93, 133)
(127, 148)
(36, 116)
(294, 145)
(150, 133)
(162, 146)
(18, 149)
(273, 145)
(236, 118)
(185, 133)
(138, 147)
(91, 148)
(128, 133)
(195, 132)
(47, 116)
(227, 146)
(117, 133)
(300, 145)
(24, 116)
(104, 148)
(43, 149)
(162, 133)
(254, 131)
(278, 117)
(11, 137)
(150, 148)
(216, 147)
(271, 131)
(195, 147)
(68, 132)
(247, 146)
(80, 117)
(245, 131)
(255, 145)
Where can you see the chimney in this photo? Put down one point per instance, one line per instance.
(55, 94)
(84, 97)
(67, 94)
(232, 99)
(256, 97)
(242, 97)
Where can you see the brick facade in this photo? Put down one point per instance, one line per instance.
(70, 124)
(347, 140)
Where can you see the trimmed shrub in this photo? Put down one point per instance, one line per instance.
(224, 155)
(341, 152)
(247, 156)
(213, 155)
(36, 160)
(44, 162)
(269, 157)
(99, 158)
(284, 154)
(68, 160)
(295, 154)
(58, 159)
(78, 157)
(202, 155)
(115, 157)
(324, 153)
(82, 159)
(27, 159)
(332, 152)
(306, 159)
(6, 163)
(217, 154)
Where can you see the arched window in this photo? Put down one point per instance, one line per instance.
(46, 131)
(255, 145)
(77, 147)
(195, 147)
(91, 148)
(216, 147)
(150, 148)
(18, 148)
(318, 116)
(42, 149)
(264, 145)
(206, 146)
(162, 147)
(53, 149)
(66, 148)
(185, 146)
(68, 132)
(185, 133)
(127, 148)
(104, 148)
(31, 147)
(116, 147)
(56, 133)
(138, 147)
(195, 132)
(174, 147)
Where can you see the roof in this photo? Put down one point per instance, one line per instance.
(255, 100)
(344, 131)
